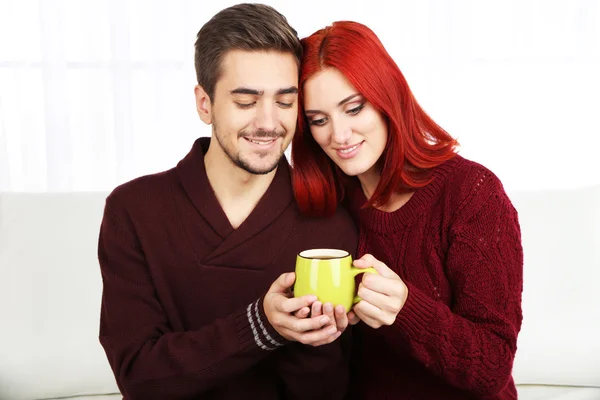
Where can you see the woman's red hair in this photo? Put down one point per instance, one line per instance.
(415, 143)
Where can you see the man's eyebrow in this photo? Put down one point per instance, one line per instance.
(290, 90)
(244, 90)
(254, 92)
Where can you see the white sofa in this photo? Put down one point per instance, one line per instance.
(50, 290)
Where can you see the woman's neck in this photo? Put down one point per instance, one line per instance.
(369, 181)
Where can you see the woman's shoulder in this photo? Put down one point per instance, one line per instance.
(460, 172)
(464, 182)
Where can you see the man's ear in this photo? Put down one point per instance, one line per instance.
(203, 104)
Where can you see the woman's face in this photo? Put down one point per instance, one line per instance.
(347, 127)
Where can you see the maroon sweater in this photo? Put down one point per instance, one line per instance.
(182, 314)
(457, 245)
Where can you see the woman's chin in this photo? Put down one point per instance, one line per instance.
(352, 170)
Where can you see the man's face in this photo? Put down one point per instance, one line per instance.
(255, 107)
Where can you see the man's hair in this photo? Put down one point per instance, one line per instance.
(248, 27)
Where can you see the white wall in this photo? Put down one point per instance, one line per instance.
(96, 92)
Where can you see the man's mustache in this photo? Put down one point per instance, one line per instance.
(262, 134)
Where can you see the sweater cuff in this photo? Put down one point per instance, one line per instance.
(417, 314)
(254, 329)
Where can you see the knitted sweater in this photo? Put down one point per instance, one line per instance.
(457, 245)
(182, 314)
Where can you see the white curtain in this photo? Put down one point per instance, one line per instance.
(96, 92)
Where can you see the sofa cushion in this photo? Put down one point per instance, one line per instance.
(50, 294)
(540, 392)
(558, 343)
(91, 397)
(51, 286)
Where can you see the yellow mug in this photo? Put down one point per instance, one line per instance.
(329, 275)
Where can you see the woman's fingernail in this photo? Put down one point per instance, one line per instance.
(324, 320)
(328, 308)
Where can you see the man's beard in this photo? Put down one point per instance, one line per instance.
(239, 160)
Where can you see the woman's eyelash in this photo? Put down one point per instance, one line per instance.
(323, 121)
(318, 122)
(356, 110)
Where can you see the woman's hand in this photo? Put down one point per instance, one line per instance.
(382, 295)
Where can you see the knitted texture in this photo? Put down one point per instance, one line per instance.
(457, 245)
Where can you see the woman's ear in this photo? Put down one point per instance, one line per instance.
(203, 104)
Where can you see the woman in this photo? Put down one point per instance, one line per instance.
(440, 320)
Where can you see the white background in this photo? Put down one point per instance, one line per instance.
(96, 92)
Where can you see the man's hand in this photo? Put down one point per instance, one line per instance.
(337, 317)
(282, 309)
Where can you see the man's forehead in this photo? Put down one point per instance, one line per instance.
(236, 56)
(261, 71)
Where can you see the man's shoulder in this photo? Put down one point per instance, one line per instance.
(145, 189)
(335, 231)
(340, 218)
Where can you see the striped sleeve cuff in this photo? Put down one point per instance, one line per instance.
(265, 336)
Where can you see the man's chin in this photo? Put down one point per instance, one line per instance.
(261, 170)
(259, 167)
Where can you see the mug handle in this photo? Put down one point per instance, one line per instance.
(355, 271)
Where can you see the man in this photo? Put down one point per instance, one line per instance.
(196, 301)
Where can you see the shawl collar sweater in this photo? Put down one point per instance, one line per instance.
(182, 314)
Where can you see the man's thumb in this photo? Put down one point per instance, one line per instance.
(283, 283)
